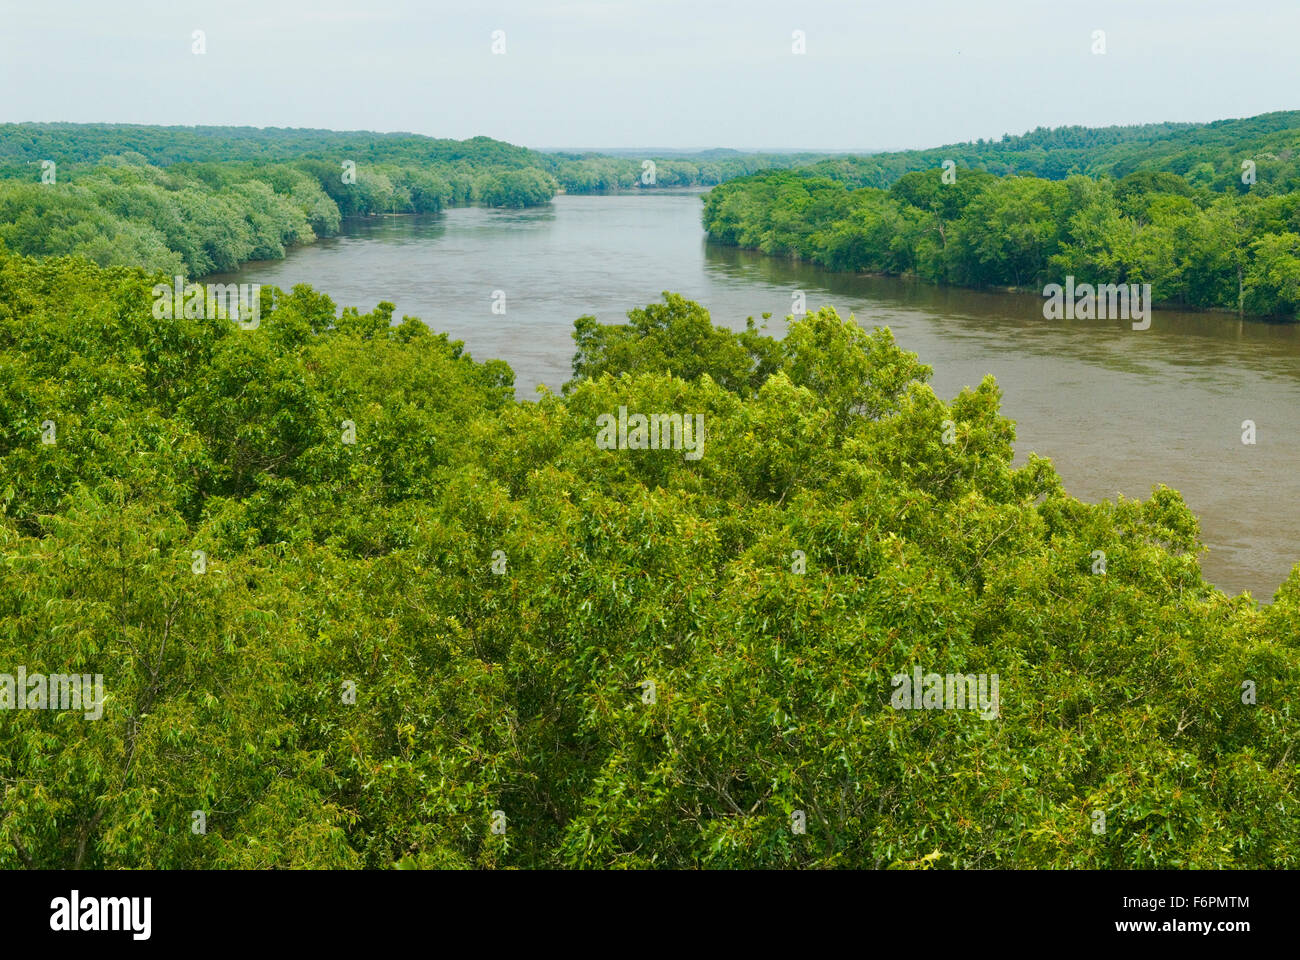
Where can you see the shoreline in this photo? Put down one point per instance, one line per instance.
(1166, 305)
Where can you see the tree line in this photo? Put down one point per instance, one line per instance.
(1206, 154)
(1196, 246)
(211, 217)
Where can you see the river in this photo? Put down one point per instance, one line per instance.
(1118, 411)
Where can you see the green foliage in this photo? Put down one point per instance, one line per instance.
(595, 173)
(676, 336)
(1205, 154)
(1194, 246)
(517, 188)
(371, 564)
(196, 221)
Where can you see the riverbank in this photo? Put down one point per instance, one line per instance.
(1012, 290)
(1195, 247)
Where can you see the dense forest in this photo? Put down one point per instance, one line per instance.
(22, 145)
(211, 217)
(203, 200)
(1208, 154)
(436, 627)
(1209, 215)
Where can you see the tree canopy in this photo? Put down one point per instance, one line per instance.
(1195, 246)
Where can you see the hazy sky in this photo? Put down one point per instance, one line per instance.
(669, 73)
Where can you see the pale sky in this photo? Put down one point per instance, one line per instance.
(669, 73)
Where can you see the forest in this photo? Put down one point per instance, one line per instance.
(212, 217)
(1203, 152)
(1208, 215)
(356, 606)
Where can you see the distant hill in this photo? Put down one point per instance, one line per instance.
(1058, 152)
(90, 142)
(23, 145)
